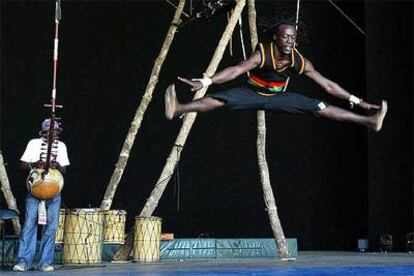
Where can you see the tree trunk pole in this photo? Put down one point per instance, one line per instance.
(166, 174)
(139, 115)
(277, 229)
(8, 195)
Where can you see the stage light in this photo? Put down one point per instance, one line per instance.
(363, 245)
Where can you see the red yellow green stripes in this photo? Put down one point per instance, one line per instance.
(272, 86)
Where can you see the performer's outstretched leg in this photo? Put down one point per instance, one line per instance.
(373, 122)
(173, 108)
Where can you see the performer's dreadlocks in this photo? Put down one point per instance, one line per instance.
(267, 27)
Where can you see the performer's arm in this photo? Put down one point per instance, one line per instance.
(227, 74)
(333, 88)
(32, 165)
(40, 165)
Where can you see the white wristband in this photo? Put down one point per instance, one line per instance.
(354, 100)
(204, 81)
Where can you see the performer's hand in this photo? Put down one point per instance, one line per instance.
(40, 164)
(195, 85)
(368, 106)
(54, 165)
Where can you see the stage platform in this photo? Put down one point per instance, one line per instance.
(307, 263)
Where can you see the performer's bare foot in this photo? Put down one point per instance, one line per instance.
(378, 118)
(171, 102)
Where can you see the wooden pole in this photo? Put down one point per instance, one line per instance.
(8, 195)
(277, 229)
(167, 172)
(139, 115)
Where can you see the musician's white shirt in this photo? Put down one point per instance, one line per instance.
(37, 150)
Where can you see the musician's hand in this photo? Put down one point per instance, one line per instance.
(40, 164)
(195, 85)
(368, 106)
(54, 165)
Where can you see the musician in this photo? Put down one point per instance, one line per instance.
(35, 157)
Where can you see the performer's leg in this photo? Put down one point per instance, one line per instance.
(373, 122)
(173, 108)
(28, 237)
(47, 244)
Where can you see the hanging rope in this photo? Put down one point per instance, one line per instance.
(231, 39)
(242, 39)
(297, 13)
(346, 16)
(175, 6)
(296, 27)
(177, 187)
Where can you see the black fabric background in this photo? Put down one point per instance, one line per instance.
(334, 182)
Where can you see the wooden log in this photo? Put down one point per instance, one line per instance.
(269, 198)
(139, 114)
(8, 195)
(161, 184)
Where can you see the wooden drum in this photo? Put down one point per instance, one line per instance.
(83, 236)
(147, 239)
(114, 228)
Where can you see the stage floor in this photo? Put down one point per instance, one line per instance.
(307, 263)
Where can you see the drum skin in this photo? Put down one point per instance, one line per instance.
(45, 187)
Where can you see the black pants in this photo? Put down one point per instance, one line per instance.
(283, 102)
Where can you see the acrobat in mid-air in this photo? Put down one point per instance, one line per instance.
(268, 69)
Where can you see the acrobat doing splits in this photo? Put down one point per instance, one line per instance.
(268, 69)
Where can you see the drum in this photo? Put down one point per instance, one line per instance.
(61, 227)
(45, 185)
(147, 239)
(114, 228)
(83, 236)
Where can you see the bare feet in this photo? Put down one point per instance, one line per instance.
(170, 102)
(378, 118)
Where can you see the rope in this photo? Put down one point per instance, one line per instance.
(297, 13)
(346, 16)
(297, 22)
(241, 38)
(172, 4)
(177, 188)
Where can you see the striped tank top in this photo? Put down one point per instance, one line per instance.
(267, 79)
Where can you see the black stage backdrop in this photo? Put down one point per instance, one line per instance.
(334, 182)
(390, 155)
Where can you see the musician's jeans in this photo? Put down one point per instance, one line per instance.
(28, 236)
